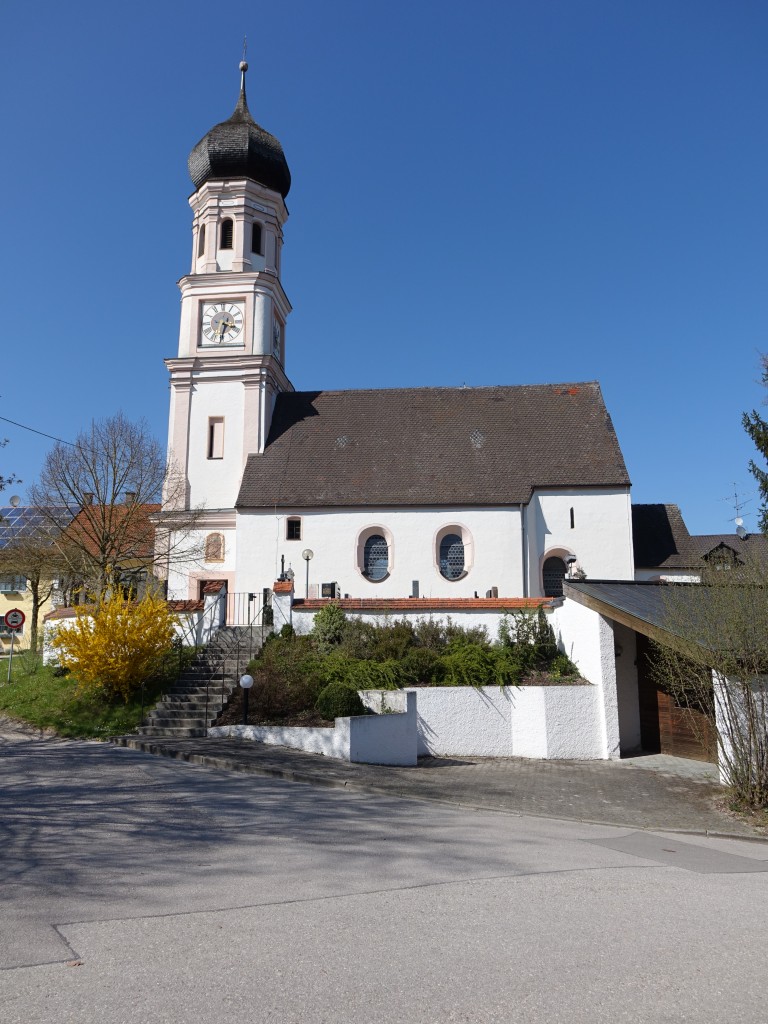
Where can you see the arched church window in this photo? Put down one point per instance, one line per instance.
(452, 556)
(201, 241)
(375, 558)
(553, 574)
(256, 238)
(227, 234)
(214, 547)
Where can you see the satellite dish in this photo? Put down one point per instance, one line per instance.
(741, 532)
(14, 500)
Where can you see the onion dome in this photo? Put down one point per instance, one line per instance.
(240, 148)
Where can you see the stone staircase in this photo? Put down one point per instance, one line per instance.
(203, 690)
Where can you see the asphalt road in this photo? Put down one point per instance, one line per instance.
(136, 889)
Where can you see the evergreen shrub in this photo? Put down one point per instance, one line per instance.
(338, 700)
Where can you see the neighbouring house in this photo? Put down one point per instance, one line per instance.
(665, 550)
(30, 571)
(117, 539)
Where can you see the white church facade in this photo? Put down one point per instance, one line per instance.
(450, 493)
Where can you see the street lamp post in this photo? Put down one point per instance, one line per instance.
(246, 682)
(307, 554)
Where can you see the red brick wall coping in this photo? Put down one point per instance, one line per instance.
(282, 587)
(424, 604)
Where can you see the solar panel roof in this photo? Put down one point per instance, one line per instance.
(27, 520)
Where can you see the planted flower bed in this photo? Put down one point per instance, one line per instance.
(311, 680)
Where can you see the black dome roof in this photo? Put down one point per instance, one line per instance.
(240, 148)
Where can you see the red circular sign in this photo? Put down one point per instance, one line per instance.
(14, 618)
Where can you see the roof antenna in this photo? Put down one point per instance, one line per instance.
(738, 508)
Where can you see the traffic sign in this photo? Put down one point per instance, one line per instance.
(14, 618)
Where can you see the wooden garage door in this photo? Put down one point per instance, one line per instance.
(665, 727)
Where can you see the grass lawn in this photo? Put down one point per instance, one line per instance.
(36, 696)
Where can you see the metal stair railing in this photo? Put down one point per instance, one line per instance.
(241, 643)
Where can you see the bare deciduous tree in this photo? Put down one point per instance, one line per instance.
(113, 477)
(720, 627)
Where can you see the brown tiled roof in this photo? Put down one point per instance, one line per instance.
(130, 523)
(177, 605)
(661, 540)
(424, 604)
(658, 533)
(433, 446)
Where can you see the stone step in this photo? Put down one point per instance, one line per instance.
(172, 704)
(199, 690)
(149, 730)
(182, 722)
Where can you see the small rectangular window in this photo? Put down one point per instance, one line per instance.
(216, 437)
(256, 238)
(293, 530)
(13, 584)
(573, 519)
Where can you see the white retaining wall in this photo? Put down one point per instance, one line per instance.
(383, 738)
(741, 719)
(509, 721)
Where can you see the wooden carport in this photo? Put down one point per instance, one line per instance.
(665, 726)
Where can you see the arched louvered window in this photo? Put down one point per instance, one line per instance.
(452, 556)
(553, 573)
(201, 241)
(376, 558)
(256, 238)
(227, 234)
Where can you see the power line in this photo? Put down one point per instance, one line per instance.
(42, 433)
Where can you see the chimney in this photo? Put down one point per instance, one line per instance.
(130, 497)
(87, 497)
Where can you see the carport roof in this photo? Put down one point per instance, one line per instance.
(642, 606)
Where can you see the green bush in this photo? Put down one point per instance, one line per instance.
(421, 665)
(359, 638)
(562, 666)
(328, 629)
(469, 665)
(393, 640)
(337, 700)
(376, 675)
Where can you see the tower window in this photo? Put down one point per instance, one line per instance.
(201, 241)
(216, 437)
(227, 234)
(293, 529)
(256, 238)
(573, 519)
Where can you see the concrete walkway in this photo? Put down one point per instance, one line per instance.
(654, 792)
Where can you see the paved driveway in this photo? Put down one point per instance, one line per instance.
(179, 893)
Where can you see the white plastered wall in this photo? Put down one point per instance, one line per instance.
(588, 640)
(215, 482)
(600, 539)
(333, 538)
(183, 577)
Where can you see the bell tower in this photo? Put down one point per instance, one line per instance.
(231, 358)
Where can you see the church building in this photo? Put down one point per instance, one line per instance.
(444, 492)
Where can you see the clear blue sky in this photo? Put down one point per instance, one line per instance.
(496, 192)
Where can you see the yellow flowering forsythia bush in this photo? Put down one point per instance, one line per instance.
(117, 645)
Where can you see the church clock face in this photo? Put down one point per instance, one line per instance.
(222, 323)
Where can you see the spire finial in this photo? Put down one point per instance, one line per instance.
(243, 64)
